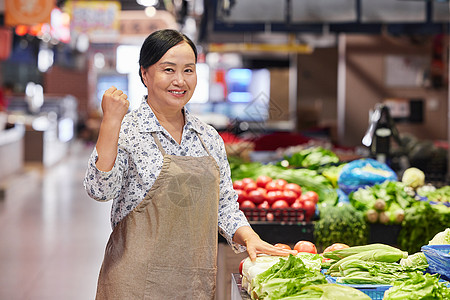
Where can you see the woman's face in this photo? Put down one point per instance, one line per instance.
(172, 80)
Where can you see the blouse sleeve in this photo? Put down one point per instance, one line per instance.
(230, 217)
(104, 186)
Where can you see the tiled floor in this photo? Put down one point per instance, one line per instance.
(52, 235)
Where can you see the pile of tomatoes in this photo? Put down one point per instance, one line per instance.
(305, 246)
(275, 199)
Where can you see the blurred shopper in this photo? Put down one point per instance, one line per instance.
(168, 176)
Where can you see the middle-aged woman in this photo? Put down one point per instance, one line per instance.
(168, 176)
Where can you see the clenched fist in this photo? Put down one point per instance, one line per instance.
(114, 104)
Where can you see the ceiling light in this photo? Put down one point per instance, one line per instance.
(147, 2)
(150, 11)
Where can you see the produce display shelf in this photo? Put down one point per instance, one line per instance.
(374, 291)
(237, 292)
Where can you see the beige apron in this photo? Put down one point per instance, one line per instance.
(166, 248)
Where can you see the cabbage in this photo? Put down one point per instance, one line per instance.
(413, 177)
(442, 238)
(416, 260)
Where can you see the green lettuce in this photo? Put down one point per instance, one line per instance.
(442, 238)
(418, 287)
(285, 278)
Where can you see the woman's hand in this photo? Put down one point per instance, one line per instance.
(114, 104)
(247, 237)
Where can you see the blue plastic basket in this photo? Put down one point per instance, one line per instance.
(374, 291)
(438, 258)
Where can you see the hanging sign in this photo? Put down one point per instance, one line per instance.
(19, 12)
(99, 20)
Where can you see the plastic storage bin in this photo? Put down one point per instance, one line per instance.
(438, 257)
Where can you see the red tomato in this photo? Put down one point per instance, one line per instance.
(310, 195)
(297, 205)
(271, 186)
(264, 205)
(250, 186)
(247, 204)
(242, 195)
(247, 180)
(279, 204)
(241, 265)
(283, 246)
(305, 246)
(257, 196)
(263, 180)
(335, 246)
(273, 196)
(294, 187)
(289, 196)
(281, 183)
(238, 185)
(270, 217)
(309, 207)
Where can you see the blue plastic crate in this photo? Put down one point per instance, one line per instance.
(374, 291)
(438, 258)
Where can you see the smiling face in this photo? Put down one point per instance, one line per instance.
(171, 81)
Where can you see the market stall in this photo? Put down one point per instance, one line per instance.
(308, 194)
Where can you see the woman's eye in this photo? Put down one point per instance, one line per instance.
(168, 70)
(189, 70)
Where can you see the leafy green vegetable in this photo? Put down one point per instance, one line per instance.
(422, 222)
(391, 192)
(312, 158)
(328, 291)
(441, 238)
(340, 224)
(436, 195)
(418, 287)
(284, 278)
(375, 255)
(332, 173)
(417, 260)
(358, 271)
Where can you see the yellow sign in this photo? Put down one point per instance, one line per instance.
(30, 12)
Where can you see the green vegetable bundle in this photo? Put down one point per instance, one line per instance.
(418, 287)
(312, 158)
(328, 291)
(440, 195)
(384, 203)
(341, 223)
(422, 222)
(291, 279)
(371, 264)
(285, 278)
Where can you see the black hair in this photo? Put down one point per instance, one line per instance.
(158, 43)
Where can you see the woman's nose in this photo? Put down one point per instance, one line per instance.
(178, 79)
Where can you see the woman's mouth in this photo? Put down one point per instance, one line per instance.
(177, 92)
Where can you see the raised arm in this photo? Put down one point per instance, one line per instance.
(114, 106)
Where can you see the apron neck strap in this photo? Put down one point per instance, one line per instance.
(158, 143)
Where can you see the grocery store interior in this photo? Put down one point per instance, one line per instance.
(347, 101)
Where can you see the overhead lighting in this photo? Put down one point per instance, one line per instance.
(147, 2)
(150, 11)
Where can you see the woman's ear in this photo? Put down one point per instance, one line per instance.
(144, 76)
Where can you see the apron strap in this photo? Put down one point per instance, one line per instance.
(158, 143)
(203, 143)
